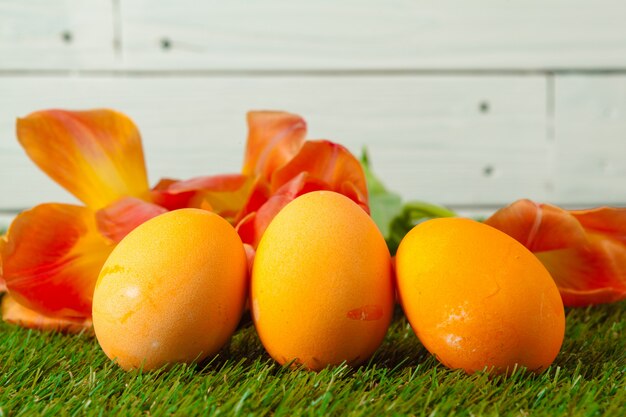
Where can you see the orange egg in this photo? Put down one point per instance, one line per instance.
(322, 291)
(173, 290)
(477, 299)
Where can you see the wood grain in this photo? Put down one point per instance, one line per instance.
(369, 34)
(450, 140)
(590, 134)
(396, 35)
(56, 34)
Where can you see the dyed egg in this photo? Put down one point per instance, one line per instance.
(478, 299)
(322, 291)
(173, 290)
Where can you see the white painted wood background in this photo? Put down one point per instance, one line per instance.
(471, 104)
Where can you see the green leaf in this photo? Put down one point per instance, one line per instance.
(384, 204)
(413, 213)
(392, 218)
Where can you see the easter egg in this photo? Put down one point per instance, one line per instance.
(478, 299)
(322, 291)
(173, 290)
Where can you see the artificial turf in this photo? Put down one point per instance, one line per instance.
(45, 373)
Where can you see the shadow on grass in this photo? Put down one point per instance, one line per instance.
(594, 344)
(595, 336)
(400, 350)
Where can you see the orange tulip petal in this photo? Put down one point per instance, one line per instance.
(273, 139)
(163, 196)
(52, 258)
(539, 227)
(250, 254)
(320, 165)
(225, 195)
(590, 274)
(118, 219)
(15, 313)
(517, 220)
(246, 228)
(259, 194)
(605, 220)
(96, 155)
(329, 163)
(585, 251)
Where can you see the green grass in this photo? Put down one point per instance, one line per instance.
(53, 374)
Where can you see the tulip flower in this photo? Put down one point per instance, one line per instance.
(320, 165)
(584, 250)
(279, 166)
(15, 313)
(274, 138)
(51, 255)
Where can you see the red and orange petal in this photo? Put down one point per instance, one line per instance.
(605, 220)
(96, 155)
(250, 254)
(584, 251)
(118, 219)
(273, 139)
(320, 165)
(15, 313)
(327, 163)
(52, 257)
(171, 200)
(225, 195)
(539, 227)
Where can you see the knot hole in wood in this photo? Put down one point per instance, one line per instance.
(67, 36)
(166, 44)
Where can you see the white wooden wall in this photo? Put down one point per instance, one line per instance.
(471, 104)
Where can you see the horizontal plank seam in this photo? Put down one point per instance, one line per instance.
(454, 207)
(306, 72)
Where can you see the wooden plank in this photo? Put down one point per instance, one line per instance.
(369, 34)
(450, 140)
(590, 129)
(59, 34)
(471, 212)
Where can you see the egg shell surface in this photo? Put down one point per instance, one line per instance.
(322, 291)
(477, 298)
(173, 290)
